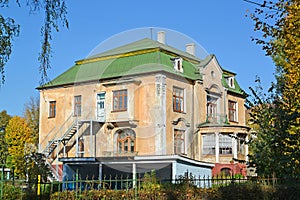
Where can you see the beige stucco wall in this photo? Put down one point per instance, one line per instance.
(150, 115)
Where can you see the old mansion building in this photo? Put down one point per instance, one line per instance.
(143, 106)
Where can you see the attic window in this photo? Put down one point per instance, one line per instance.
(177, 64)
(230, 81)
(212, 73)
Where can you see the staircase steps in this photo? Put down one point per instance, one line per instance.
(53, 144)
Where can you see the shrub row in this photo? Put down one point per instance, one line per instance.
(186, 191)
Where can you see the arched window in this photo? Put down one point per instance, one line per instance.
(226, 171)
(125, 141)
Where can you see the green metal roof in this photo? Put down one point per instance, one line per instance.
(143, 44)
(143, 56)
(237, 89)
(123, 66)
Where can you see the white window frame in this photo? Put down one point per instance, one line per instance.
(177, 64)
(235, 117)
(215, 115)
(230, 82)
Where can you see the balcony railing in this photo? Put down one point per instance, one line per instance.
(217, 119)
(119, 154)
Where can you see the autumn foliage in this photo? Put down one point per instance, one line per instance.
(277, 114)
(17, 136)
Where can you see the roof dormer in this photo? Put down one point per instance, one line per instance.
(177, 64)
(230, 81)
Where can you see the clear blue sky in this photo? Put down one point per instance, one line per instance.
(219, 26)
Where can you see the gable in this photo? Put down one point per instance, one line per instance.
(212, 76)
(213, 73)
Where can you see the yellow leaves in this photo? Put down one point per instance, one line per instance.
(17, 135)
(282, 124)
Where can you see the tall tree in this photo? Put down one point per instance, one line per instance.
(31, 115)
(19, 140)
(279, 21)
(4, 119)
(55, 13)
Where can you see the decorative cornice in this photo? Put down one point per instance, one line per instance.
(120, 82)
(180, 119)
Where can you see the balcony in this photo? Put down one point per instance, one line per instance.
(217, 119)
(119, 154)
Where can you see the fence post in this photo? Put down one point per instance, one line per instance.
(76, 182)
(2, 174)
(39, 186)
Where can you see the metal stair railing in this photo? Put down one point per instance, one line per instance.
(46, 139)
(55, 139)
(67, 136)
(53, 144)
(56, 171)
(71, 126)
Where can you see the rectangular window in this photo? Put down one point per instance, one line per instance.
(232, 111)
(120, 100)
(178, 141)
(212, 109)
(208, 144)
(241, 144)
(77, 106)
(178, 99)
(225, 144)
(52, 109)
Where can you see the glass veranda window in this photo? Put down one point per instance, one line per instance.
(208, 144)
(225, 144)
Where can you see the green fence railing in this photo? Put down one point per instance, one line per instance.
(20, 189)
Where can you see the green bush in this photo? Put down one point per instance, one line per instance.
(187, 191)
(12, 192)
(64, 195)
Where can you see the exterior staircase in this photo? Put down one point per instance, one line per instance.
(58, 139)
(65, 138)
(54, 144)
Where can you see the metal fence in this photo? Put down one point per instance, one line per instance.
(39, 190)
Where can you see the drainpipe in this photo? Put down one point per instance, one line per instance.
(225, 106)
(92, 154)
(193, 123)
